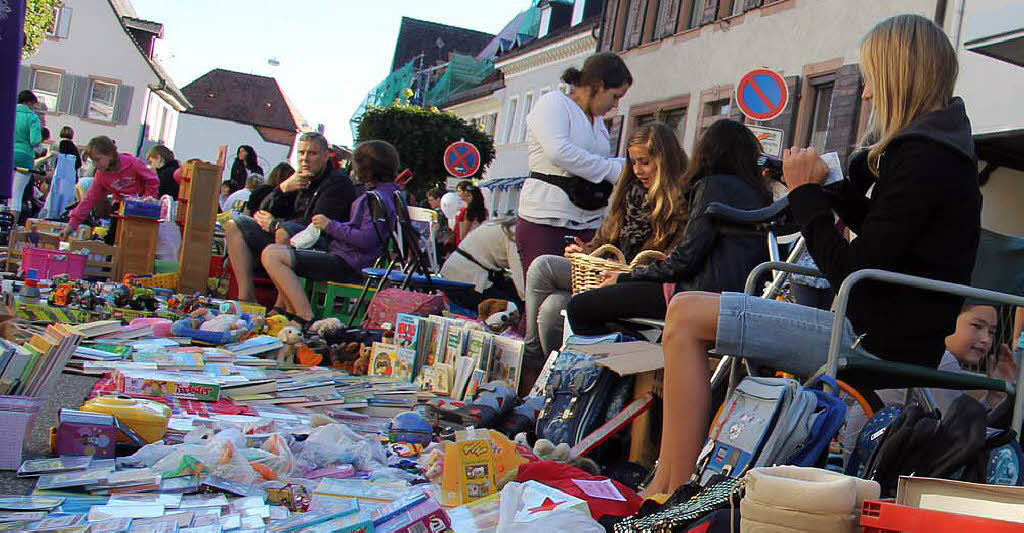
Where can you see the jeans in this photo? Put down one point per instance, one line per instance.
(548, 289)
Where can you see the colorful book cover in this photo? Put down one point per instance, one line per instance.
(477, 347)
(167, 385)
(382, 359)
(407, 335)
(472, 475)
(438, 338)
(506, 361)
(453, 344)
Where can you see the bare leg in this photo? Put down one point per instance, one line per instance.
(282, 237)
(690, 327)
(277, 260)
(241, 261)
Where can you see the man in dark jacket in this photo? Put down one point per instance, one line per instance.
(316, 188)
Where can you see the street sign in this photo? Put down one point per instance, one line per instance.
(771, 139)
(461, 159)
(762, 94)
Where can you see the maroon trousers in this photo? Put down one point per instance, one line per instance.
(535, 240)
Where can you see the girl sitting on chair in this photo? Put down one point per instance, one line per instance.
(922, 218)
(647, 212)
(352, 245)
(709, 257)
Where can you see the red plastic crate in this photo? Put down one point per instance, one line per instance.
(885, 516)
(48, 263)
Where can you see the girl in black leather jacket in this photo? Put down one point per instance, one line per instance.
(710, 257)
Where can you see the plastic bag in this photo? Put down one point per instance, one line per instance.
(221, 456)
(305, 238)
(335, 443)
(168, 241)
(514, 520)
(275, 459)
(147, 455)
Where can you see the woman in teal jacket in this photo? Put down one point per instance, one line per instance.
(28, 134)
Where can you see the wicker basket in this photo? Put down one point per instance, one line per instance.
(588, 268)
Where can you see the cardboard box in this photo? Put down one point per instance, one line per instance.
(975, 499)
(167, 385)
(627, 358)
(44, 313)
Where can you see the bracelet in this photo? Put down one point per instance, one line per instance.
(273, 226)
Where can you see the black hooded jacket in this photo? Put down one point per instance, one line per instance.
(711, 257)
(330, 193)
(923, 219)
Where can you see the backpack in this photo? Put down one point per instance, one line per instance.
(578, 393)
(769, 421)
(388, 303)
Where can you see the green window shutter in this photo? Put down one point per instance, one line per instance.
(80, 96)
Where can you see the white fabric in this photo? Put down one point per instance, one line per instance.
(231, 203)
(563, 141)
(492, 247)
(305, 238)
(18, 190)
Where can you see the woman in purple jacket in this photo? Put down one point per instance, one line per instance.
(352, 245)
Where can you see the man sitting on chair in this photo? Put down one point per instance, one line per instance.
(353, 242)
(316, 188)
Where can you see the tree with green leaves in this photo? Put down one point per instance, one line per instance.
(421, 136)
(38, 21)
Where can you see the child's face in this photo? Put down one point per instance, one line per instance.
(975, 329)
(225, 189)
(644, 166)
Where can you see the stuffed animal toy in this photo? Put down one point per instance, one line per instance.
(324, 326)
(498, 315)
(275, 324)
(362, 365)
(207, 326)
(291, 337)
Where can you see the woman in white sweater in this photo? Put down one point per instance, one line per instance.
(571, 170)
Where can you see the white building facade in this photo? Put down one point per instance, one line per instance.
(96, 78)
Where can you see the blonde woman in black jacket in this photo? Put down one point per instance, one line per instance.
(922, 218)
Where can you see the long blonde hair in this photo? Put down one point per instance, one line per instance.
(665, 195)
(912, 69)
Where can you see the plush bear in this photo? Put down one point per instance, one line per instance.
(291, 337)
(498, 315)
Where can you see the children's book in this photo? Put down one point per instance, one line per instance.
(506, 361)
(477, 347)
(382, 359)
(438, 338)
(407, 337)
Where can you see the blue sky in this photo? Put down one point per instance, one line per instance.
(331, 52)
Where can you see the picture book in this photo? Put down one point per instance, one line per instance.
(438, 340)
(469, 472)
(453, 344)
(506, 361)
(382, 359)
(407, 337)
(478, 347)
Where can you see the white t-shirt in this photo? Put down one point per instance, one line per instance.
(236, 201)
(562, 141)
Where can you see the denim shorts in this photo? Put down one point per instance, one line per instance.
(788, 337)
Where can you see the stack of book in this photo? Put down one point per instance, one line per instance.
(447, 356)
(32, 369)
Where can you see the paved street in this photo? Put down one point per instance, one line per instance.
(70, 391)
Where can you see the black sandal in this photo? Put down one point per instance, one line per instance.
(303, 324)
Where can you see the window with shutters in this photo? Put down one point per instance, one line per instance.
(46, 86)
(671, 112)
(737, 7)
(668, 15)
(489, 123)
(821, 106)
(52, 30)
(715, 104)
(102, 98)
(635, 16)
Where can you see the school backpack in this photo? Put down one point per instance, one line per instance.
(770, 421)
(578, 393)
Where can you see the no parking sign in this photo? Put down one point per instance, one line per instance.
(762, 94)
(461, 159)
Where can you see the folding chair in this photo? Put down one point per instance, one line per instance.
(418, 274)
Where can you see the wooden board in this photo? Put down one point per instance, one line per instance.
(136, 246)
(102, 258)
(200, 220)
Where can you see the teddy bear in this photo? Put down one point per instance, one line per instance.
(498, 315)
(291, 337)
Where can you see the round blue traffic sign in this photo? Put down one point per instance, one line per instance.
(762, 94)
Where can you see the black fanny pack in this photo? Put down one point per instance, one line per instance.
(583, 194)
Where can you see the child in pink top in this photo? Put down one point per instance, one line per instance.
(118, 174)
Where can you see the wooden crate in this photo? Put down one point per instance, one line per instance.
(136, 246)
(20, 238)
(200, 222)
(51, 226)
(102, 258)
